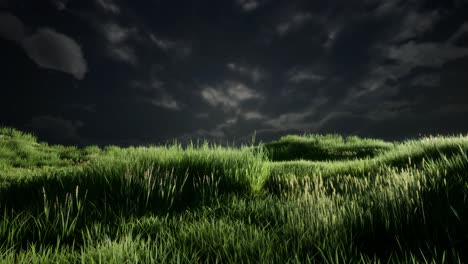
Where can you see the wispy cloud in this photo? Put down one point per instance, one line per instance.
(256, 74)
(428, 54)
(118, 44)
(181, 49)
(229, 94)
(293, 22)
(296, 75)
(426, 80)
(159, 95)
(254, 115)
(298, 120)
(166, 102)
(124, 53)
(109, 6)
(415, 24)
(249, 5)
(60, 4)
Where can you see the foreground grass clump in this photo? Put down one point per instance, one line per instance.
(204, 203)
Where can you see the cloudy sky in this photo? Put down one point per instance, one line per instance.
(139, 72)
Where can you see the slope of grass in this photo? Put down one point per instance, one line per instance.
(206, 203)
(324, 147)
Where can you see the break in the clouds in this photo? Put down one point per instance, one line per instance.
(157, 70)
(46, 47)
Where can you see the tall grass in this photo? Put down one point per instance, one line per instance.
(211, 204)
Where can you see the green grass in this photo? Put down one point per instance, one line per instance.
(347, 200)
(324, 147)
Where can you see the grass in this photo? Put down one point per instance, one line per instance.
(346, 200)
(324, 147)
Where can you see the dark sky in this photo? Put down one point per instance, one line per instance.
(139, 72)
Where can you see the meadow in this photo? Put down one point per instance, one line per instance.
(300, 199)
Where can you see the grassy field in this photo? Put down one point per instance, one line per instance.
(301, 199)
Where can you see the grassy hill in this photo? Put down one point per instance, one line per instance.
(301, 199)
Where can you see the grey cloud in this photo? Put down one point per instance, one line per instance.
(109, 6)
(117, 34)
(11, 28)
(426, 54)
(159, 96)
(388, 110)
(253, 115)
(229, 95)
(426, 80)
(256, 74)
(293, 22)
(124, 53)
(331, 37)
(60, 4)
(298, 120)
(407, 57)
(232, 98)
(53, 50)
(164, 101)
(303, 75)
(46, 47)
(249, 5)
(462, 30)
(415, 24)
(375, 84)
(118, 38)
(290, 120)
(183, 50)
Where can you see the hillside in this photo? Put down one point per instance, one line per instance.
(300, 199)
